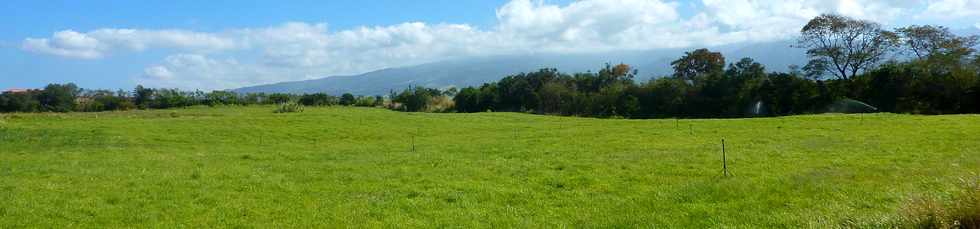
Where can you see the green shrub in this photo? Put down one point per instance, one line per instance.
(289, 108)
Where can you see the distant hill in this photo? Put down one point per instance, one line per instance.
(478, 70)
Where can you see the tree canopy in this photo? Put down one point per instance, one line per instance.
(845, 46)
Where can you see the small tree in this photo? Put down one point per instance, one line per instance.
(347, 99)
(379, 101)
(416, 99)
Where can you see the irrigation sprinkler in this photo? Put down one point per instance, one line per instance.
(413, 143)
(724, 158)
(690, 128)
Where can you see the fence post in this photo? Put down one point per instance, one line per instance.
(724, 157)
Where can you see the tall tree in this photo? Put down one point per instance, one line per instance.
(468, 100)
(142, 96)
(696, 64)
(619, 74)
(552, 95)
(746, 68)
(844, 46)
(926, 40)
(59, 97)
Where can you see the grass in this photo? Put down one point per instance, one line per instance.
(961, 209)
(355, 167)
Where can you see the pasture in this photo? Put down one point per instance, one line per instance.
(363, 167)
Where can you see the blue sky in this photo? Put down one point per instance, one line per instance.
(227, 44)
(29, 18)
(47, 16)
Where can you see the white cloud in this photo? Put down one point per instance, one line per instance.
(141, 39)
(589, 26)
(760, 20)
(159, 73)
(96, 44)
(194, 71)
(952, 9)
(67, 43)
(305, 45)
(298, 50)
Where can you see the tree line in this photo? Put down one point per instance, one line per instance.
(851, 61)
(855, 66)
(69, 97)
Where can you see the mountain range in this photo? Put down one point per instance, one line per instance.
(474, 71)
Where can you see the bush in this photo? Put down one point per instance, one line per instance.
(365, 101)
(440, 104)
(966, 207)
(20, 102)
(317, 99)
(415, 99)
(962, 210)
(103, 100)
(289, 108)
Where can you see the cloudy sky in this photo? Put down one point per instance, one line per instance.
(228, 44)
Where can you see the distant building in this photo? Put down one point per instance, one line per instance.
(16, 90)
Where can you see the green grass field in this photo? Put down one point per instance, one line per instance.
(355, 167)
